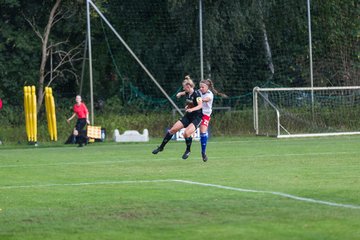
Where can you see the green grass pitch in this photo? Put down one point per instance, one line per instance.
(251, 188)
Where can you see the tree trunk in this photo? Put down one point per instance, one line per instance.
(268, 54)
(45, 54)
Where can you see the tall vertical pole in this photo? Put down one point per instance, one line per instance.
(51, 63)
(83, 67)
(201, 41)
(310, 53)
(90, 62)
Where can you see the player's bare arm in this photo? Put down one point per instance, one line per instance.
(180, 94)
(206, 99)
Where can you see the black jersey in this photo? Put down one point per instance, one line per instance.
(192, 101)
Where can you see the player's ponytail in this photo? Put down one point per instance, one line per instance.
(210, 84)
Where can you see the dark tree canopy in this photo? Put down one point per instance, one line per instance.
(245, 44)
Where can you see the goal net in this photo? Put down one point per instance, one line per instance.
(302, 112)
(245, 44)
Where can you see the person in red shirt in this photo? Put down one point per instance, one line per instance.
(82, 114)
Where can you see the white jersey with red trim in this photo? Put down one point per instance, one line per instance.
(207, 106)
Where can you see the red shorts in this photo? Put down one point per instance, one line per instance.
(205, 120)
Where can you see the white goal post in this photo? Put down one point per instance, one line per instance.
(306, 111)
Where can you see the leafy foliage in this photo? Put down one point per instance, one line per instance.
(243, 40)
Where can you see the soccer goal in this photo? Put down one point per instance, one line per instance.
(306, 112)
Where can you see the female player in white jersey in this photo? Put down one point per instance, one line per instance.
(207, 91)
(207, 94)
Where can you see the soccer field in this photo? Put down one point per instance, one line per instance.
(251, 188)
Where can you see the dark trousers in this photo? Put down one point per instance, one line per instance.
(81, 138)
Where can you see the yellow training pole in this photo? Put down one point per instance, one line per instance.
(29, 103)
(33, 111)
(31, 119)
(48, 114)
(46, 108)
(53, 114)
(26, 110)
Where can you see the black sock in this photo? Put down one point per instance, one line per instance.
(188, 142)
(166, 139)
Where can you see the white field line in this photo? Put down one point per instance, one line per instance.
(172, 158)
(273, 193)
(285, 195)
(84, 184)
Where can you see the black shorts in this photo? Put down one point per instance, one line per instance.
(196, 120)
(80, 124)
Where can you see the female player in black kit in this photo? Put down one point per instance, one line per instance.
(190, 121)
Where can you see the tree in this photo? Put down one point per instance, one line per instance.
(18, 49)
(64, 57)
